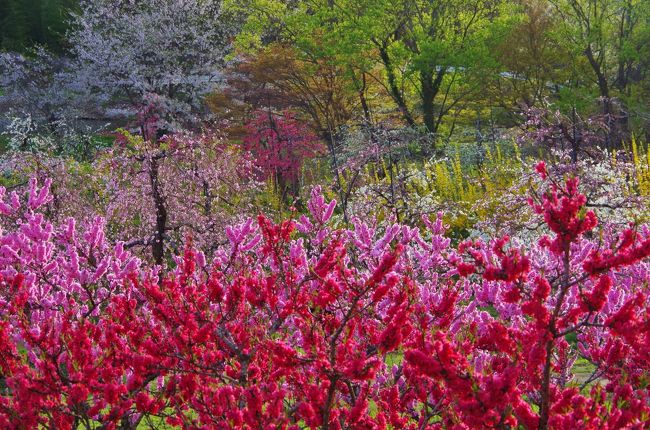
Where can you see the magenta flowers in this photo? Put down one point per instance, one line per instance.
(299, 325)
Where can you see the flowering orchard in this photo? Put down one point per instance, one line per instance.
(298, 325)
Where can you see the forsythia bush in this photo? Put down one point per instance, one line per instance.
(295, 325)
(468, 193)
(641, 162)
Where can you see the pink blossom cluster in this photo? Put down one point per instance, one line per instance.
(298, 325)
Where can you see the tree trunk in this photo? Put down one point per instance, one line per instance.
(545, 404)
(328, 136)
(603, 89)
(361, 90)
(158, 245)
(429, 91)
(392, 85)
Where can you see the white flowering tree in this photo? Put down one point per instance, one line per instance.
(166, 53)
(46, 105)
(156, 58)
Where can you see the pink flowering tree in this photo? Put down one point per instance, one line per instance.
(580, 137)
(153, 194)
(280, 145)
(295, 325)
(163, 192)
(56, 286)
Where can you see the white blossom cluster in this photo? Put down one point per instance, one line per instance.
(125, 56)
(162, 52)
(42, 94)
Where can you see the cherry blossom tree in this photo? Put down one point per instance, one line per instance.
(47, 105)
(160, 194)
(142, 52)
(153, 195)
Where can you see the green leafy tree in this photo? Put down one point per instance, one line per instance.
(532, 62)
(425, 54)
(608, 39)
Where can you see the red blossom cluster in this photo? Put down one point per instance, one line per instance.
(294, 326)
(562, 209)
(280, 144)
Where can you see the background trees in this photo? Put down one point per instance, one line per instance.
(388, 87)
(24, 24)
(423, 54)
(167, 54)
(607, 35)
(437, 66)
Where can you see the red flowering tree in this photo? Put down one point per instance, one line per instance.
(280, 144)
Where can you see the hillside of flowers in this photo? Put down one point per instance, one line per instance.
(324, 214)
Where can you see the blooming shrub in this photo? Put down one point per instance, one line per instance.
(295, 325)
(467, 193)
(488, 196)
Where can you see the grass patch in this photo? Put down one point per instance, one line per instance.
(582, 366)
(583, 369)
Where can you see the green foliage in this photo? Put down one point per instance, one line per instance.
(434, 60)
(469, 192)
(25, 23)
(428, 57)
(641, 160)
(4, 144)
